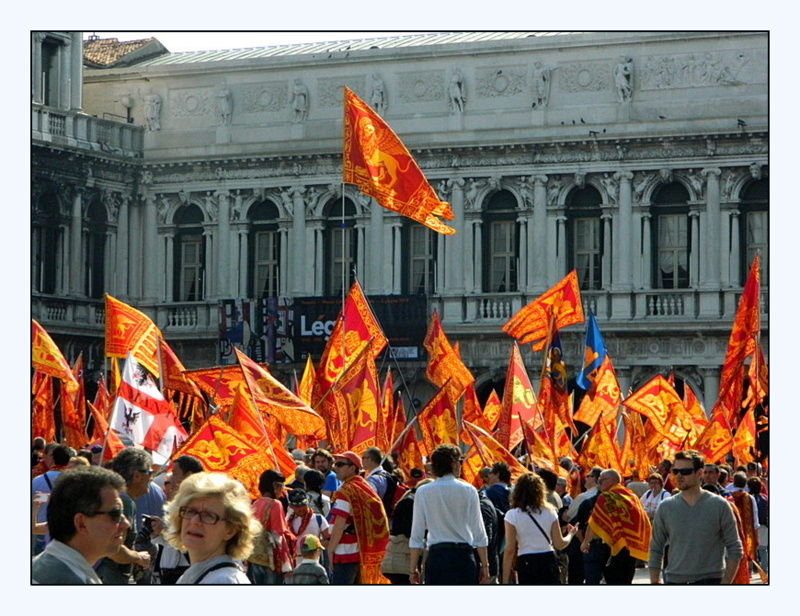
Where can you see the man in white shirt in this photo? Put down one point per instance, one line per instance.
(449, 510)
(86, 522)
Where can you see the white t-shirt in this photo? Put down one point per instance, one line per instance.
(531, 540)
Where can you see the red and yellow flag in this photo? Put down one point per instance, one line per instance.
(635, 453)
(104, 437)
(437, 422)
(601, 402)
(408, 449)
(443, 361)
(519, 403)
(360, 394)
(744, 440)
(491, 451)
(492, 409)
(618, 518)
(658, 401)
(174, 377)
(532, 322)
(471, 410)
(221, 449)
(716, 440)
(127, 329)
(375, 160)
(73, 410)
(306, 386)
(47, 358)
(601, 449)
(386, 412)
(43, 421)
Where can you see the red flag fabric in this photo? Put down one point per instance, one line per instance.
(618, 518)
(491, 451)
(73, 409)
(174, 377)
(601, 401)
(306, 386)
(362, 399)
(437, 422)
(656, 399)
(519, 403)
(443, 361)
(102, 399)
(408, 449)
(127, 329)
(492, 409)
(532, 322)
(47, 358)
(716, 440)
(386, 410)
(43, 421)
(102, 436)
(744, 440)
(375, 160)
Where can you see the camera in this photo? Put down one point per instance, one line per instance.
(147, 522)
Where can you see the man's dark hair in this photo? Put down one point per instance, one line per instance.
(269, 477)
(710, 487)
(188, 464)
(61, 455)
(695, 457)
(754, 486)
(739, 480)
(324, 453)
(549, 477)
(374, 454)
(502, 470)
(77, 490)
(129, 460)
(313, 480)
(442, 459)
(710, 466)
(83, 453)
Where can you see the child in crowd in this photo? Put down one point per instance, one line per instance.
(309, 571)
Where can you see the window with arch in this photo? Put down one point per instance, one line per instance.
(501, 243)
(420, 264)
(96, 229)
(585, 237)
(671, 237)
(265, 250)
(189, 257)
(46, 238)
(341, 245)
(754, 228)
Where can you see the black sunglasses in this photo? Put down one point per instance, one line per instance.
(683, 471)
(339, 464)
(115, 514)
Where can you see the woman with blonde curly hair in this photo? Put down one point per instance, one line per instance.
(211, 519)
(532, 531)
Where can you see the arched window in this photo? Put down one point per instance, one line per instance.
(585, 237)
(500, 243)
(265, 250)
(419, 246)
(754, 228)
(95, 249)
(45, 243)
(190, 257)
(340, 245)
(671, 237)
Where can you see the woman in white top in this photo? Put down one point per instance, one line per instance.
(211, 519)
(532, 531)
(653, 497)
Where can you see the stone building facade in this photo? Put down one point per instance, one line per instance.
(638, 159)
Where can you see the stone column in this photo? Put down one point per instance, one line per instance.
(694, 250)
(135, 251)
(208, 289)
(62, 264)
(711, 237)
(361, 253)
(298, 252)
(109, 256)
(233, 248)
(537, 236)
(223, 265)
(169, 253)
(561, 261)
(647, 257)
(455, 254)
(150, 255)
(76, 270)
(472, 275)
(76, 59)
(243, 269)
(734, 268)
(478, 256)
(121, 264)
(374, 273)
(607, 254)
(283, 269)
(522, 270)
(397, 256)
(622, 278)
(36, 66)
(710, 387)
(64, 86)
(319, 258)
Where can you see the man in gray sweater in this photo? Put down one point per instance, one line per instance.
(698, 526)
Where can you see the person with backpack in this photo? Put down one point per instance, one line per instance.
(386, 485)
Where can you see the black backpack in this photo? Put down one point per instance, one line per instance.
(395, 490)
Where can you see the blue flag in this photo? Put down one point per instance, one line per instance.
(593, 354)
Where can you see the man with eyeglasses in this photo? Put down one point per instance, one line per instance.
(698, 526)
(86, 523)
(135, 466)
(360, 529)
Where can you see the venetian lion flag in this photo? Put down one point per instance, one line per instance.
(437, 422)
(658, 401)
(375, 160)
(519, 403)
(562, 303)
(443, 361)
(618, 518)
(47, 358)
(127, 329)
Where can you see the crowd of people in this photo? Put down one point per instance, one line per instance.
(357, 519)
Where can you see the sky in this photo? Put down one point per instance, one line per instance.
(205, 41)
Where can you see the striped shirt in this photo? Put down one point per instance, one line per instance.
(347, 550)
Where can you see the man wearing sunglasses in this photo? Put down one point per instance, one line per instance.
(86, 523)
(698, 526)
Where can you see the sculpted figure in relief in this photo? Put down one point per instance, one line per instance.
(152, 111)
(456, 90)
(623, 79)
(224, 105)
(541, 84)
(299, 101)
(377, 99)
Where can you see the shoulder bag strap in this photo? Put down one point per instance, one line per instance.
(539, 526)
(49, 483)
(214, 568)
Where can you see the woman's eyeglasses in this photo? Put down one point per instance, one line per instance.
(115, 514)
(206, 517)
